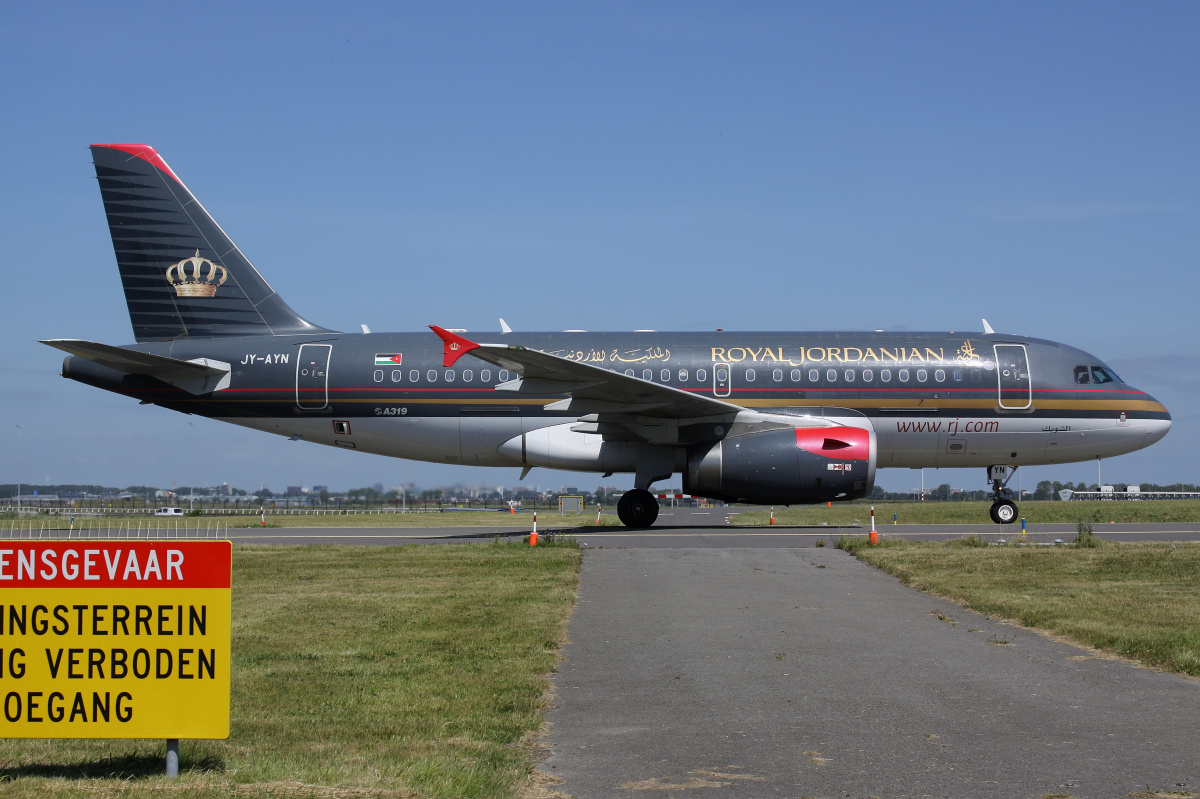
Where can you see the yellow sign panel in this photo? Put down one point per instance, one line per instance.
(114, 639)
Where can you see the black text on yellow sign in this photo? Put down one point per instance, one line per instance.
(114, 639)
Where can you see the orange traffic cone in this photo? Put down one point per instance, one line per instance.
(772, 515)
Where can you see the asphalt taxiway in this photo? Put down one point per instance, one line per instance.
(738, 672)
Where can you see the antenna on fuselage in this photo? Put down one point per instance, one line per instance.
(987, 328)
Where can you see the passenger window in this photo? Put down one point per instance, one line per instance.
(629, 373)
(396, 375)
(885, 375)
(777, 375)
(795, 375)
(831, 375)
(414, 376)
(485, 375)
(849, 375)
(813, 375)
(701, 375)
(958, 375)
(683, 375)
(467, 376)
(503, 375)
(749, 375)
(1099, 375)
(868, 376)
(940, 375)
(903, 375)
(922, 375)
(449, 375)
(647, 374)
(1082, 375)
(378, 375)
(666, 375)
(431, 376)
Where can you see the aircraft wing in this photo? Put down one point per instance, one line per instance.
(592, 389)
(200, 376)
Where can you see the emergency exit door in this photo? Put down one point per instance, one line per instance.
(312, 376)
(1012, 374)
(722, 379)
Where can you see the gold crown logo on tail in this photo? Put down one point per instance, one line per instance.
(196, 276)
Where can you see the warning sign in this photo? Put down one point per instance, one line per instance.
(114, 639)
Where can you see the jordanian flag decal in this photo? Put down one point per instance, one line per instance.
(387, 358)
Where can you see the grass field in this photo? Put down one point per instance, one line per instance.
(523, 519)
(357, 672)
(1140, 600)
(1147, 512)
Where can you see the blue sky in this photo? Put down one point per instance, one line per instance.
(778, 166)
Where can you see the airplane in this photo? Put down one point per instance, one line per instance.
(761, 417)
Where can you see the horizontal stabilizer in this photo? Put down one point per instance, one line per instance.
(200, 376)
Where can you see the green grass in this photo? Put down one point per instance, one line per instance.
(503, 520)
(1137, 600)
(499, 520)
(1044, 512)
(357, 671)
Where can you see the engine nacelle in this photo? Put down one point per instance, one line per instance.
(785, 467)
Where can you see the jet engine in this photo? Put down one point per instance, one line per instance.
(791, 466)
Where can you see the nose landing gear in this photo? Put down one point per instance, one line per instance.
(1003, 510)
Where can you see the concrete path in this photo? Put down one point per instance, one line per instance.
(803, 672)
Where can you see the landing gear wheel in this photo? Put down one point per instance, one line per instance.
(637, 508)
(1004, 512)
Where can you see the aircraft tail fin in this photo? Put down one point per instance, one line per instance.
(183, 276)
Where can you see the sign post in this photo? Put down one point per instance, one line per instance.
(115, 639)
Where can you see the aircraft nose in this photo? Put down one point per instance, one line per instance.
(1157, 428)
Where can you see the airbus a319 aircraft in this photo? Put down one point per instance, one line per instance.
(760, 417)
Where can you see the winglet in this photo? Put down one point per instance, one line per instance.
(455, 346)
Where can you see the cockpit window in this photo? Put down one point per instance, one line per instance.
(1102, 375)
(1081, 375)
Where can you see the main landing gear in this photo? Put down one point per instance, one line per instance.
(1004, 510)
(637, 508)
